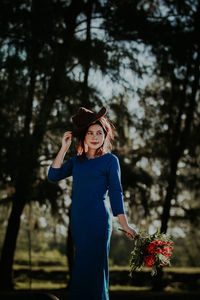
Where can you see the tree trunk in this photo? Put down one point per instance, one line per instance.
(31, 146)
(70, 250)
(179, 139)
(169, 196)
(85, 92)
(7, 255)
(157, 281)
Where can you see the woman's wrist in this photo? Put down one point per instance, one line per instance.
(125, 226)
(130, 232)
(123, 221)
(64, 149)
(57, 163)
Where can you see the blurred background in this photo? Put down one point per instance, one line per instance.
(139, 58)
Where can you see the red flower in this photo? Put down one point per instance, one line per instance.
(158, 250)
(153, 251)
(151, 248)
(149, 260)
(158, 242)
(165, 253)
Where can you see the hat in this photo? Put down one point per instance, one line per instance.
(84, 118)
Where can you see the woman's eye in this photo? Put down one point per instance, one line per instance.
(98, 133)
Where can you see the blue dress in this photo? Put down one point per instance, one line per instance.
(91, 223)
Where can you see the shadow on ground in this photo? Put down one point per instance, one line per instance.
(114, 295)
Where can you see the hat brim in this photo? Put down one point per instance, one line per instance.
(77, 131)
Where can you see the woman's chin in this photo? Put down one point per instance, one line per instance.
(94, 147)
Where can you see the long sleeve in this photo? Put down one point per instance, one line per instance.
(115, 188)
(56, 174)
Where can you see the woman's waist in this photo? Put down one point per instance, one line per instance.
(90, 207)
(87, 196)
(91, 215)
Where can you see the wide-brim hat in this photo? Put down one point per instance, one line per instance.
(84, 118)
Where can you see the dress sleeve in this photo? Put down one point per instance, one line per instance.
(56, 174)
(115, 188)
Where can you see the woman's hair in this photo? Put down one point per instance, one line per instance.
(109, 132)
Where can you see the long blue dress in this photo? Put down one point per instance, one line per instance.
(91, 223)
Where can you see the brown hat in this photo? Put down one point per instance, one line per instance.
(84, 118)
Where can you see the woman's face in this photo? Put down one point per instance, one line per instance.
(94, 137)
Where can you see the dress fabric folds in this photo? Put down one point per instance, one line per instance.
(91, 223)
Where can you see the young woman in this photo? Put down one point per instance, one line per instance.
(95, 172)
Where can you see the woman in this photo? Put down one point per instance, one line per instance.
(95, 172)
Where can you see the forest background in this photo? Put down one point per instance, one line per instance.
(140, 59)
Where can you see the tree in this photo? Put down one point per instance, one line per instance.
(176, 96)
(42, 43)
(34, 48)
(170, 103)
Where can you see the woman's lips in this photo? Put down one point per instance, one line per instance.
(94, 143)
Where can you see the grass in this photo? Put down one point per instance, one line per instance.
(49, 273)
(46, 262)
(41, 268)
(185, 270)
(39, 285)
(114, 288)
(117, 292)
(64, 268)
(48, 285)
(41, 258)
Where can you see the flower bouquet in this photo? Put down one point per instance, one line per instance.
(150, 250)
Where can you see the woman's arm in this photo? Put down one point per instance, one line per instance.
(116, 197)
(130, 232)
(58, 170)
(66, 142)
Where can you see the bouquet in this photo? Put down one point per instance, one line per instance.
(150, 250)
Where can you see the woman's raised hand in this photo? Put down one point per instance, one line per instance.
(66, 140)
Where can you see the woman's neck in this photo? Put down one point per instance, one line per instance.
(91, 153)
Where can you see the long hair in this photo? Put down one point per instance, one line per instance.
(109, 132)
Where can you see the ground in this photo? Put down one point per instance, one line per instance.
(114, 295)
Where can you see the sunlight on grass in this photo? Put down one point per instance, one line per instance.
(128, 288)
(183, 270)
(51, 258)
(39, 285)
(187, 270)
(41, 268)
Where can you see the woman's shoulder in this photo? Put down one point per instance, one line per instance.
(71, 158)
(111, 157)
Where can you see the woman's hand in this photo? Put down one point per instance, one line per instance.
(130, 232)
(66, 140)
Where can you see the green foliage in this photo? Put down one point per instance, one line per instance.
(158, 251)
(46, 258)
